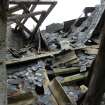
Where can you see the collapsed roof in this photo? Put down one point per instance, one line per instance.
(28, 10)
(69, 59)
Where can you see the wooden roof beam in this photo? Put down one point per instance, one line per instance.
(31, 2)
(14, 17)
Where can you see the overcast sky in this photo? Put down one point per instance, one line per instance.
(67, 10)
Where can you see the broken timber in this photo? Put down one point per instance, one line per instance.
(74, 78)
(59, 94)
(21, 99)
(63, 71)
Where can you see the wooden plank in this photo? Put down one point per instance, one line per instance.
(25, 102)
(91, 51)
(74, 61)
(64, 71)
(26, 10)
(46, 84)
(3, 29)
(66, 57)
(34, 57)
(21, 98)
(93, 46)
(14, 17)
(31, 10)
(74, 78)
(32, 2)
(23, 27)
(59, 94)
(42, 18)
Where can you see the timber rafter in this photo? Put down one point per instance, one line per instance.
(28, 7)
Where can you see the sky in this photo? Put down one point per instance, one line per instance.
(64, 10)
(67, 10)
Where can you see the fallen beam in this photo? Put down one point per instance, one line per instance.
(20, 98)
(59, 71)
(59, 94)
(64, 58)
(74, 78)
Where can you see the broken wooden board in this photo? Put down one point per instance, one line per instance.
(20, 98)
(93, 51)
(66, 57)
(34, 57)
(74, 78)
(74, 61)
(93, 46)
(59, 94)
(46, 84)
(63, 71)
(25, 102)
(31, 58)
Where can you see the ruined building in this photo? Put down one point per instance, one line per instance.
(56, 66)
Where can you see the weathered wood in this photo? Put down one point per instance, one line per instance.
(28, 14)
(32, 2)
(25, 102)
(59, 94)
(91, 51)
(3, 27)
(23, 27)
(26, 10)
(31, 10)
(96, 86)
(43, 16)
(46, 84)
(33, 58)
(64, 71)
(14, 17)
(21, 98)
(74, 61)
(64, 58)
(13, 9)
(74, 78)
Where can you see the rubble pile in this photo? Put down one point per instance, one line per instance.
(26, 80)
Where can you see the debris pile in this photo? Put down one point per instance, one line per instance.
(26, 80)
